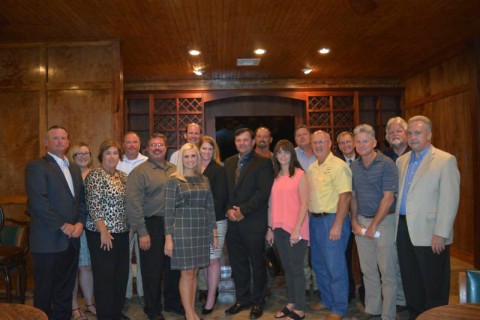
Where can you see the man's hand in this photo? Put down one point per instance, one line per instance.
(231, 215)
(78, 230)
(335, 232)
(357, 228)
(68, 229)
(438, 244)
(370, 233)
(144, 242)
(238, 213)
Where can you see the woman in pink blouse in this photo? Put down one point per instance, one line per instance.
(288, 225)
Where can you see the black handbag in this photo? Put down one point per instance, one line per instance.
(272, 261)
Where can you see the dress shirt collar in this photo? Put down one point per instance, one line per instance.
(63, 163)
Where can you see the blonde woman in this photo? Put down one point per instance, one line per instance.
(81, 155)
(190, 226)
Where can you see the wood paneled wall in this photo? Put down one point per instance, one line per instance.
(447, 95)
(76, 85)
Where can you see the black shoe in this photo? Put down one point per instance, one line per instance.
(124, 317)
(178, 310)
(236, 308)
(207, 311)
(256, 312)
(401, 308)
(157, 317)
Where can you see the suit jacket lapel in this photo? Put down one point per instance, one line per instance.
(245, 170)
(423, 168)
(58, 171)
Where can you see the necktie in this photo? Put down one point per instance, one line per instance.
(350, 162)
(68, 176)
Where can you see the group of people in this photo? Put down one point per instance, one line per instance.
(176, 216)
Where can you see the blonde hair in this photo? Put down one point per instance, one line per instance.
(72, 152)
(179, 174)
(211, 141)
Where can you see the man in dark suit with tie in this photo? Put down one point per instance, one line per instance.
(56, 204)
(249, 179)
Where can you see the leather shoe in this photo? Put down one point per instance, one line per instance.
(207, 311)
(256, 312)
(333, 316)
(236, 308)
(401, 308)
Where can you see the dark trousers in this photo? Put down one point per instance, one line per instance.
(246, 248)
(54, 280)
(154, 263)
(110, 274)
(425, 275)
(292, 257)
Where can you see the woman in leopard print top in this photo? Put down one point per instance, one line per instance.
(107, 231)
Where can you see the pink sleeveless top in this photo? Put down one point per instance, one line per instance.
(285, 204)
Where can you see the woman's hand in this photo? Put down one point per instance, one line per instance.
(106, 241)
(269, 236)
(168, 245)
(215, 242)
(295, 237)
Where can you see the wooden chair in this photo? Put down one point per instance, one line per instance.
(13, 251)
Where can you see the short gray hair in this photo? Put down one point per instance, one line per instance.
(425, 120)
(393, 120)
(365, 128)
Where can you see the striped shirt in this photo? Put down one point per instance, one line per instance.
(370, 183)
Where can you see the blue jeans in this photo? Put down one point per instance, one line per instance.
(329, 263)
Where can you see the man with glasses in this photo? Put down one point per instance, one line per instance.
(146, 211)
(330, 181)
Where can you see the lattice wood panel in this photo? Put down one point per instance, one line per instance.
(171, 116)
(332, 114)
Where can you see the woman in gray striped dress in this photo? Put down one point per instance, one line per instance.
(190, 226)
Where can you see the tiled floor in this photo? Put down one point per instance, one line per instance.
(277, 301)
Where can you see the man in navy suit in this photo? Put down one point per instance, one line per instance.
(56, 203)
(249, 181)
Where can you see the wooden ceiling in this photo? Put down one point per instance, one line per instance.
(368, 38)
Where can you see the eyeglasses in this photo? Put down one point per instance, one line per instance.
(82, 154)
(154, 145)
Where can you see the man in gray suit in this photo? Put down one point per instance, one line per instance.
(56, 203)
(426, 208)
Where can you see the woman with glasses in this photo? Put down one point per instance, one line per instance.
(80, 155)
(288, 225)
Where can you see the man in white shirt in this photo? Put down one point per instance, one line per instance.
(192, 134)
(132, 158)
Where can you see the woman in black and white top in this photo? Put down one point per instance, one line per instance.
(107, 231)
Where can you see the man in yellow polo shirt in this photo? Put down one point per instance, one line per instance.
(330, 181)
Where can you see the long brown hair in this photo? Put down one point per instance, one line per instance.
(287, 146)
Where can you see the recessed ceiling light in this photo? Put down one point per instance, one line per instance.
(194, 52)
(307, 70)
(324, 50)
(260, 51)
(198, 72)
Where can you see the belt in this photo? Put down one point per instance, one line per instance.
(320, 214)
(403, 217)
(371, 217)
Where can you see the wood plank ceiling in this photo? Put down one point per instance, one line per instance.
(368, 38)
